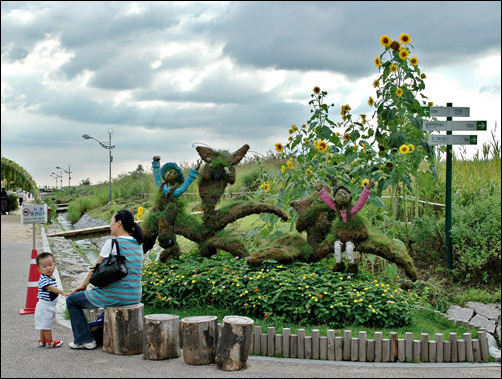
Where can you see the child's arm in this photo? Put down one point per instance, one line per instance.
(54, 289)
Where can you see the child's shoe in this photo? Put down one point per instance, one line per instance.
(41, 343)
(54, 343)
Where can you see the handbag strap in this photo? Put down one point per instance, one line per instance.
(117, 248)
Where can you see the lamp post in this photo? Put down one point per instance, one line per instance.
(109, 147)
(68, 172)
(60, 176)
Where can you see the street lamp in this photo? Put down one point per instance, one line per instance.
(109, 147)
(68, 172)
(60, 176)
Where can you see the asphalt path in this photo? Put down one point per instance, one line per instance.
(21, 358)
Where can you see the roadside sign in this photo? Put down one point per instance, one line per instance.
(34, 214)
(453, 140)
(453, 125)
(447, 111)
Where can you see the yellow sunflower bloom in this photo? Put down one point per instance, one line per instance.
(364, 182)
(322, 146)
(308, 171)
(346, 136)
(377, 62)
(279, 147)
(283, 169)
(376, 84)
(399, 92)
(413, 61)
(411, 148)
(404, 149)
(393, 68)
(405, 38)
(290, 165)
(316, 90)
(385, 40)
(403, 54)
(371, 101)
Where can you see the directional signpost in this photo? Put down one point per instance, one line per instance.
(449, 111)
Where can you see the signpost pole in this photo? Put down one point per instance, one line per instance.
(449, 175)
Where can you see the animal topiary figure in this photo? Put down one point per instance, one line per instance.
(209, 233)
(330, 223)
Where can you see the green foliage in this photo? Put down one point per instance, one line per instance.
(299, 292)
(476, 236)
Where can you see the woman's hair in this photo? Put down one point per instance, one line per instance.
(130, 226)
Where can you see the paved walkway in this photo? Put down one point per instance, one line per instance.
(22, 359)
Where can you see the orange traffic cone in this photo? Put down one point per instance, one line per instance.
(32, 291)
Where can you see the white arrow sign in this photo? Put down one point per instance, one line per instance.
(453, 125)
(447, 111)
(452, 140)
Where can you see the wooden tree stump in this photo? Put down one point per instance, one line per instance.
(234, 343)
(123, 330)
(199, 336)
(162, 337)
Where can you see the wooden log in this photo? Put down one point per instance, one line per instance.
(347, 336)
(264, 344)
(401, 349)
(416, 350)
(293, 346)
(469, 356)
(370, 350)
(378, 346)
(338, 348)
(476, 350)
(234, 343)
(432, 351)
(461, 350)
(385, 350)
(308, 347)
(161, 337)
(424, 344)
(257, 340)
(454, 347)
(270, 341)
(447, 351)
(323, 347)
(354, 349)
(362, 346)
(408, 337)
(278, 345)
(199, 335)
(483, 345)
(393, 346)
(286, 332)
(439, 347)
(315, 343)
(301, 344)
(123, 330)
(331, 344)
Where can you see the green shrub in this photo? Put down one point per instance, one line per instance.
(476, 233)
(298, 292)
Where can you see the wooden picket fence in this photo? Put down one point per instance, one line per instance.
(362, 349)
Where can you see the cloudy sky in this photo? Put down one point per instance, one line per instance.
(167, 75)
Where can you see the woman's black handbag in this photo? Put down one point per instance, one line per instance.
(110, 269)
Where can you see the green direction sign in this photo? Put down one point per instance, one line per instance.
(453, 125)
(453, 140)
(447, 111)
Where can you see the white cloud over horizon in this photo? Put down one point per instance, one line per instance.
(165, 75)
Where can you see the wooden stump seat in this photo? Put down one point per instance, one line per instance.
(234, 343)
(161, 337)
(123, 330)
(199, 338)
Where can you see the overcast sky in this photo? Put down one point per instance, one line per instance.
(166, 75)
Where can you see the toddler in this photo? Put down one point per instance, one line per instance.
(45, 311)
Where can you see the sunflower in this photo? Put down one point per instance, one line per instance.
(405, 38)
(385, 40)
(376, 84)
(404, 149)
(283, 169)
(363, 184)
(403, 54)
(140, 213)
(399, 92)
(345, 109)
(413, 61)
(322, 146)
(393, 68)
(370, 101)
(290, 165)
(346, 136)
(279, 147)
(294, 128)
(265, 186)
(316, 90)
(411, 148)
(395, 46)
(377, 62)
(308, 171)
